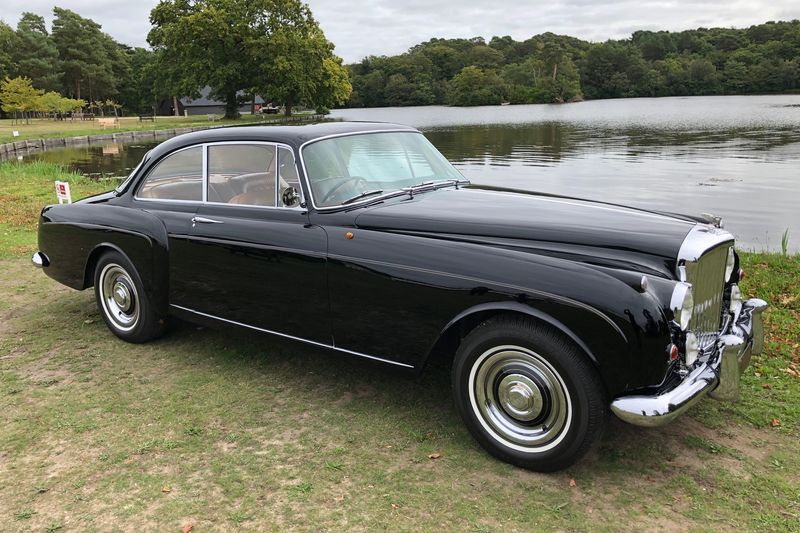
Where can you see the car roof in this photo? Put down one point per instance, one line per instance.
(294, 136)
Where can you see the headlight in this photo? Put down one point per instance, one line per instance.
(730, 264)
(682, 304)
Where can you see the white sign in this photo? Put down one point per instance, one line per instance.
(15, 133)
(62, 192)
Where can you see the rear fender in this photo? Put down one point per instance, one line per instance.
(73, 238)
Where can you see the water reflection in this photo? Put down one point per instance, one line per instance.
(111, 160)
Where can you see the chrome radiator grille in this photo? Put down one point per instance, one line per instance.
(707, 276)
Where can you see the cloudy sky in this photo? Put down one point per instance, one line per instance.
(392, 26)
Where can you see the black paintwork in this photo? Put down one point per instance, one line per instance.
(415, 276)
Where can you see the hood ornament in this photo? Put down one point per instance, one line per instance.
(715, 220)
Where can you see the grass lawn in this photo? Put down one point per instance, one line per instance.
(47, 128)
(223, 429)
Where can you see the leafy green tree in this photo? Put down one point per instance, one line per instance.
(138, 94)
(19, 96)
(7, 40)
(273, 47)
(35, 53)
(474, 86)
(299, 67)
(485, 57)
(90, 60)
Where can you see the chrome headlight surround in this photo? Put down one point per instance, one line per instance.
(682, 304)
(730, 264)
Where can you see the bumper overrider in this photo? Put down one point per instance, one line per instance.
(718, 375)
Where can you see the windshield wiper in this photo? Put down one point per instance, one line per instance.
(362, 195)
(433, 185)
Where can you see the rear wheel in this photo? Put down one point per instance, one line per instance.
(122, 300)
(527, 394)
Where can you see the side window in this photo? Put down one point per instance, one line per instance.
(242, 174)
(290, 191)
(178, 176)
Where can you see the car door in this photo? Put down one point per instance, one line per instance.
(172, 190)
(256, 259)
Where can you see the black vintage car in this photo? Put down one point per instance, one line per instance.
(363, 239)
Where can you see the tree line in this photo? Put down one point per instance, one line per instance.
(238, 48)
(276, 49)
(549, 68)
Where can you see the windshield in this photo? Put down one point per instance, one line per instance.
(345, 169)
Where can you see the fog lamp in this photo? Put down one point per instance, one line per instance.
(692, 349)
(682, 304)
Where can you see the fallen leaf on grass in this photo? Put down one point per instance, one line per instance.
(165, 489)
(435, 455)
(572, 483)
(775, 423)
(766, 386)
(88, 321)
(187, 528)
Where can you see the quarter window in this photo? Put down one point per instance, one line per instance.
(289, 189)
(178, 176)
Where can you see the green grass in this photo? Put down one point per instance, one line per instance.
(27, 187)
(47, 129)
(224, 429)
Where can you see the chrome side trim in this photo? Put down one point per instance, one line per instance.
(292, 337)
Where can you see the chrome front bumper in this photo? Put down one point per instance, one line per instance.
(717, 375)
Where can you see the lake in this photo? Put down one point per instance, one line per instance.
(733, 156)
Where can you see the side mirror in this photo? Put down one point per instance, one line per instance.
(290, 197)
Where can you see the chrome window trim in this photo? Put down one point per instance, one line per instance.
(347, 134)
(292, 337)
(169, 200)
(119, 189)
(204, 169)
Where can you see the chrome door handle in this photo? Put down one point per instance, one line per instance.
(203, 220)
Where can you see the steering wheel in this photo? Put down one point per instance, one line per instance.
(331, 193)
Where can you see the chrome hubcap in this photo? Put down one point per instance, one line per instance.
(122, 296)
(520, 398)
(118, 297)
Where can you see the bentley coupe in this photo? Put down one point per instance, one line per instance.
(362, 239)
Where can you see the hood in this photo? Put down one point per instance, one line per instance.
(591, 232)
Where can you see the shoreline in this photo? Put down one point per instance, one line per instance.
(30, 146)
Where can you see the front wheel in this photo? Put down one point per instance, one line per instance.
(122, 301)
(527, 394)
